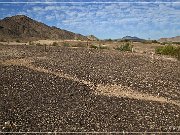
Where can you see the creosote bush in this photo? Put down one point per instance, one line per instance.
(38, 44)
(154, 41)
(31, 43)
(17, 40)
(166, 43)
(177, 43)
(66, 44)
(169, 50)
(98, 47)
(54, 44)
(124, 47)
(103, 47)
(94, 46)
(177, 53)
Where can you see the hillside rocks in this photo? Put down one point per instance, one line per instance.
(92, 38)
(23, 27)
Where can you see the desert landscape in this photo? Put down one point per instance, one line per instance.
(61, 81)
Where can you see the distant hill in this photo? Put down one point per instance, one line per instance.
(172, 39)
(136, 39)
(23, 27)
(92, 37)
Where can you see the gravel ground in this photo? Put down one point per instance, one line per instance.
(158, 77)
(37, 101)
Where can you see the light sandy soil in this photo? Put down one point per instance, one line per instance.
(143, 48)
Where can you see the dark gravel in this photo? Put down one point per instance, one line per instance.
(35, 101)
(43, 102)
(132, 70)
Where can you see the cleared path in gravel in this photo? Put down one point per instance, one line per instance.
(107, 90)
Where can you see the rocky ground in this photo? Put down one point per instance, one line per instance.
(64, 89)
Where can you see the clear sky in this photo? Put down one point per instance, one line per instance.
(142, 18)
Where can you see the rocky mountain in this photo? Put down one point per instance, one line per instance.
(136, 39)
(172, 39)
(92, 37)
(23, 27)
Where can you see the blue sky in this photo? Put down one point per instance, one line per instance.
(105, 20)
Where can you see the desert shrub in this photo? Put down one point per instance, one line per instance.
(31, 43)
(17, 40)
(66, 44)
(79, 45)
(159, 50)
(154, 41)
(177, 43)
(163, 43)
(166, 50)
(124, 47)
(169, 50)
(103, 47)
(38, 44)
(54, 44)
(177, 52)
(166, 43)
(94, 46)
(2, 40)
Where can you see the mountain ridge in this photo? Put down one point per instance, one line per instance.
(23, 27)
(131, 38)
(171, 39)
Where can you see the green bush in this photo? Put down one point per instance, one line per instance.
(166, 43)
(177, 43)
(177, 52)
(103, 47)
(166, 50)
(169, 50)
(66, 44)
(94, 46)
(124, 47)
(159, 50)
(163, 43)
